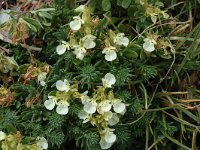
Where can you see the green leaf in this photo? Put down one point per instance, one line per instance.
(130, 53)
(175, 141)
(45, 15)
(106, 5)
(126, 3)
(34, 22)
(119, 2)
(12, 61)
(10, 128)
(43, 10)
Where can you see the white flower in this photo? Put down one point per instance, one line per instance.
(84, 116)
(84, 97)
(110, 137)
(107, 115)
(119, 107)
(114, 120)
(105, 106)
(2, 135)
(41, 77)
(79, 51)
(50, 103)
(80, 8)
(110, 53)
(76, 23)
(149, 44)
(41, 143)
(63, 85)
(62, 107)
(4, 16)
(90, 107)
(61, 49)
(104, 144)
(108, 80)
(88, 41)
(121, 40)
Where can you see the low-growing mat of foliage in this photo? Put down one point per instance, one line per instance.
(99, 74)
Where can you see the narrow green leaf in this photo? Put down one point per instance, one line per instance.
(181, 120)
(43, 9)
(45, 15)
(34, 22)
(197, 119)
(175, 141)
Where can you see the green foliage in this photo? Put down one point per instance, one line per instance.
(148, 71)
(159, 49)
(56, 137)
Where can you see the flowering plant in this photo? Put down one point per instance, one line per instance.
(98, 74)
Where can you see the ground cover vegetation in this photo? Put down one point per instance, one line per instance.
(99, 74)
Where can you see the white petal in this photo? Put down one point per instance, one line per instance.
(41, 77)
(105, 106)
(60, 49)
(123, 112)
(2, 135)
(90, 107)
(108, 80)
(149, 47)
(62, 85)
(75, 25)
(84, 97)
(79, 52)
(125, 41)
(108, 115)
(49, 104)
(62, 109)
(114, 120)
(42, 143)
(80, 56)
(42, 83)
(119, 107)
(110, 55)
(4, 17)
(104, 144)
(110, 137)
(82, 115)
(88, 44)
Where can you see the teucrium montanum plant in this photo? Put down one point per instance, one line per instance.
(101, 109)
(80, 45)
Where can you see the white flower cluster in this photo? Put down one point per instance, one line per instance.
(88, 41)
(103, 110)
(41, 142)
(60, 101)
(149, 44)
(110, 51)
